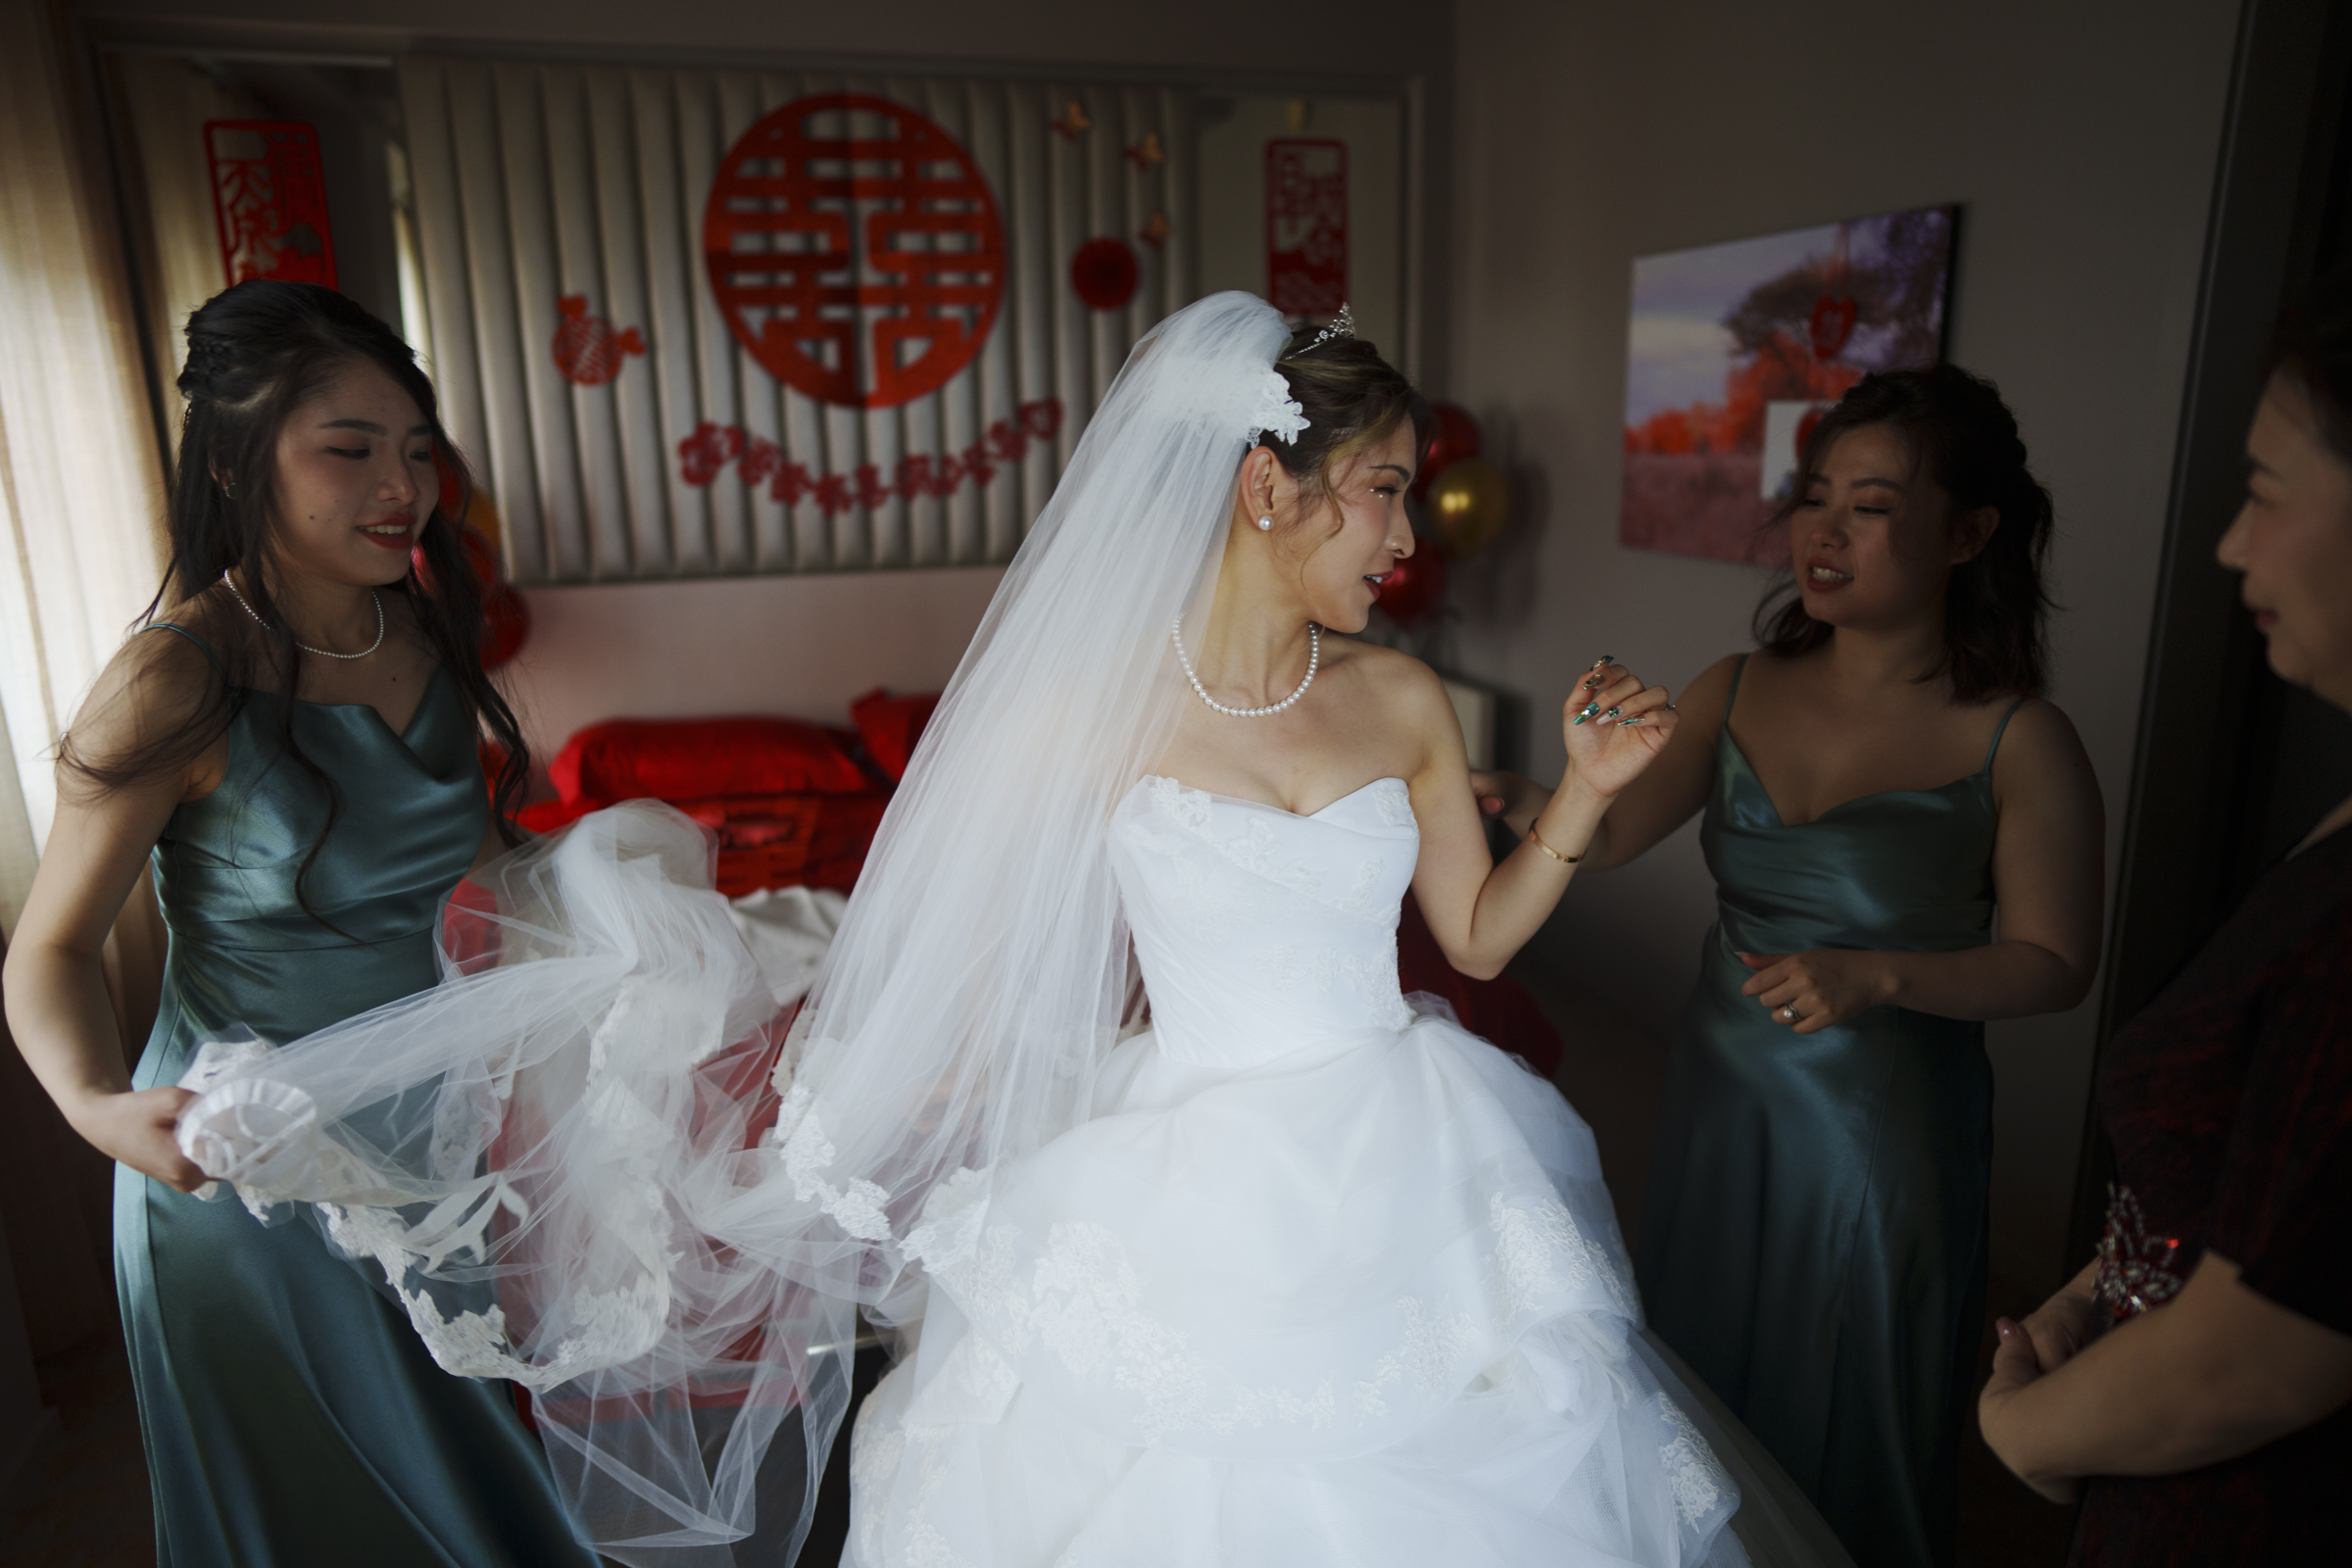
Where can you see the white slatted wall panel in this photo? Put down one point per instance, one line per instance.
(535, 182)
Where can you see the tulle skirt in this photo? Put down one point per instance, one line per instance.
(1364, 1304)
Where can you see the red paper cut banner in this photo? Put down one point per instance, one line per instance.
(855, 250)
(713, 446)
(1105, 274)
(270, 201)
(1306, 226)
(586, 348)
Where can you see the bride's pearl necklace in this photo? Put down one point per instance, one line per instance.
(1314, 656)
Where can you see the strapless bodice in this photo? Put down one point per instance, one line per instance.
(1260, 931)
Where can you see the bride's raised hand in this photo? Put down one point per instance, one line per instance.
(1613, 726)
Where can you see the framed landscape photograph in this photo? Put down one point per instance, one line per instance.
(1734, 350)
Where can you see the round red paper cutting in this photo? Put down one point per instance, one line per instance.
(855, 250)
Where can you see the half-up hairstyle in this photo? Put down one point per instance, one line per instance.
(1353, 400)
(1963, 436)
(255, 353)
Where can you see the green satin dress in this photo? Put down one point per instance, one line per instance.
(1813, 1233)
(292, 1418)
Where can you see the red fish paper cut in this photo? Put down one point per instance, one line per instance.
(587, 350)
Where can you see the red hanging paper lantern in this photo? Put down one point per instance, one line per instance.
(1105, 274)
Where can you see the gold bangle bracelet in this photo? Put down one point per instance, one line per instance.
(1536, 839)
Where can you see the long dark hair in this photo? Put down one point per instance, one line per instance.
(1995, 608)
(1353, 400)
(256, 352)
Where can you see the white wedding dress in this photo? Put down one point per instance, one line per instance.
(1325, 1279)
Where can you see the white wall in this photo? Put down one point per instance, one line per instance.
(800, 646)
(2081, 138)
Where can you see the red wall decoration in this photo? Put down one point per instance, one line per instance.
(1307, 226)
(703, 454)
(587, 350)
(270, 201)
(854, 249)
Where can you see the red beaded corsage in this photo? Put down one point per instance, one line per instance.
(2137, 1268)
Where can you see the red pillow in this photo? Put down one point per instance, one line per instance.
(891, 727)
(689, 758)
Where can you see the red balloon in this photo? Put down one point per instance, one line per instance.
(1415, 585)
(1456, 437)
(506, 623)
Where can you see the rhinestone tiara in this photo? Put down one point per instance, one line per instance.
(1339, 326)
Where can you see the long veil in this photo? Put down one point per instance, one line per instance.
(567, 1159)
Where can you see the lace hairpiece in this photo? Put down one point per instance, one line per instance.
(1277, 411)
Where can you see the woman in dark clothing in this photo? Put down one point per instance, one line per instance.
(2211, 1423)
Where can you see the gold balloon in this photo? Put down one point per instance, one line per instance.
(1469, 502)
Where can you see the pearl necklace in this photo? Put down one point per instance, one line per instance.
(1314, 656)
(306, 647)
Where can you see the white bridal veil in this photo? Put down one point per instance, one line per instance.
(562, 1155)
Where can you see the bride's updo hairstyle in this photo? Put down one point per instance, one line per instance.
(1353, 400)
(1964, 438)
(255, 353)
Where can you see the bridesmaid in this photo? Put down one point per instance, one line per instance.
(297, 749)
(1878, 779)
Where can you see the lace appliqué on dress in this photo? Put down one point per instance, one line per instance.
(1188, 809)
(1432, 1357)
(1693, 1473)
(1394, 799)
(1342, 977)
(1530, 1247)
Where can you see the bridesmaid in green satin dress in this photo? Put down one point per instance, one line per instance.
(302, 845)
(1881, 788)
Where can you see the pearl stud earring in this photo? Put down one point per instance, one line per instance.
(1265, 525)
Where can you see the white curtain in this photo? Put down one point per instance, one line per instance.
(81, 477)
(541, 183)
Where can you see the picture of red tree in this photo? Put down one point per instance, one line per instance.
(1721, 336)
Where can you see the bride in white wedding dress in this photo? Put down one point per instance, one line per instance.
(1293, 1273)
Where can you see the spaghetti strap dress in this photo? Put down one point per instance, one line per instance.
(290, 1414)
(1813, 1234)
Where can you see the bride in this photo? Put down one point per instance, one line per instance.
(1198, 1242)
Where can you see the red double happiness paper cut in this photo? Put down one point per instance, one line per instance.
(704, 453)
(855, 250)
